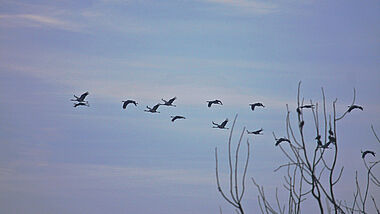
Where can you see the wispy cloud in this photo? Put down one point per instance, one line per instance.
(247, 7)
(113, 176)
(36, 20)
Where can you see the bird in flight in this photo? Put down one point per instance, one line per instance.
(368, 152)
(352, 107)
(81, 104)
(126, 102)
(304, 106)
(253, 105)
(280, 140)
(220, 126)
(170, 102)
(214, 102)
(153, 110)
(81, 98)
(177, 117)
(307, 106)
(257, 132)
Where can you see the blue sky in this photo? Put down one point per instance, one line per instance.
(58, 159)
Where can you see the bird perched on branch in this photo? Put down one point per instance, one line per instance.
(170, 102)
(331, 132)
(257, 132)
(280, 140)
(177, 117)
(126, 102)
(368, 152)
(319, 142)
(301, 124)
(153, 110)
(220, 126)
(253, 105)
(332, 139)
(218, 102)
(326, 145)
(352, 107)
(81, 98)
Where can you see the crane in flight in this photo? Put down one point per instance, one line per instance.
(177, 117)
(280, 140)
(210, 102)
(253, 105)
(367, 152)
(220, 126)
(126, 102)
(257, 132)
(81, 98)
(352, 107)
(311, 106)
(170, 102)
(152, 110)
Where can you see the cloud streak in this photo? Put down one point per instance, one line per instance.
(247, 7)
(36, 20)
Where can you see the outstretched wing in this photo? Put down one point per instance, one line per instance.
(209, 103)
(224, 123)
(83, 96)
(125, 104)
(352, 107)
(155, 107)
(368, 152)
(172, 100)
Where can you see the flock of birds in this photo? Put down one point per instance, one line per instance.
(80, 101)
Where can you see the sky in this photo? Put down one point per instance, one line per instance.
(103, 159)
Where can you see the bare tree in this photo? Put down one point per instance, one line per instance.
(236, 191)
(312, 168)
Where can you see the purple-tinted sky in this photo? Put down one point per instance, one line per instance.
(58, 159)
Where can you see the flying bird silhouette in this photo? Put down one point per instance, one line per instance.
(153, 110)
(253, 105)
(307, 106)
(220, 126)
(177, 117)
(81, 98)
(352, 107)
(280, 140)
(368, 152)
(170, 102)
(126, 102)
(218, 102)
(257, 132)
